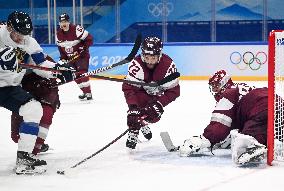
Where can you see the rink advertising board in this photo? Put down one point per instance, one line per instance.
(195, 61)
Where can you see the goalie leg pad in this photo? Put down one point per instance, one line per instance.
(246, 148)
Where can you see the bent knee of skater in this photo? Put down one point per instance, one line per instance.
(31, 111)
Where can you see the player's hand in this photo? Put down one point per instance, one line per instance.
(153, 111)
(134, 118)
(65, 76)
(8, 59)
(63, 66)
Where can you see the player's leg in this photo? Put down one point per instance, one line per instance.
(133, 133)
(44, 125)
(17, 100)
(16, 121)
(246, 148)
(82, 66)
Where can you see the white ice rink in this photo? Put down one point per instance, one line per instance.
(81, 128)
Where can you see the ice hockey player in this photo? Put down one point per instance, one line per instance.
(16, 34)
(146, 104)
(73, 44)
(45, 91)
(239, 120)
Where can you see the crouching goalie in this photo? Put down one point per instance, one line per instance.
(239, 121)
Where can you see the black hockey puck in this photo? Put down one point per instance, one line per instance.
(60, 172)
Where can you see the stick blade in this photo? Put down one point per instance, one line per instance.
(168, 142)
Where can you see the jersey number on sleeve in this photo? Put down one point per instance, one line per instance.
(133, 69)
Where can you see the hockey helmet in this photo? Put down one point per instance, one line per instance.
(152, 46)
(20, 22)
(64, 17)
(219, 82)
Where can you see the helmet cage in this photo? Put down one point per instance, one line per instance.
(152, 46)
(219, 82)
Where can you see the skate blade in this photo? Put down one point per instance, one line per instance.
(28, 170)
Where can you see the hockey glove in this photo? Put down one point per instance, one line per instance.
(134, 118)
(8, 59)
(153, 111)
(66, 76)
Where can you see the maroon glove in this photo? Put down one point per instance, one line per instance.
(153, 111)
(134, 118)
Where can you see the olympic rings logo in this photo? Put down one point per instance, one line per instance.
(248, 60)
(160, 10)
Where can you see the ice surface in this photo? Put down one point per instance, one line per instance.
(81, 128)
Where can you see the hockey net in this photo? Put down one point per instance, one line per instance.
(275, 134)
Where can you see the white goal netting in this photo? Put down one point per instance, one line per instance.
(279, 96)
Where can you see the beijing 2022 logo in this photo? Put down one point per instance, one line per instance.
(251, 60)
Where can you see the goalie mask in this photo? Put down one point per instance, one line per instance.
(218, 83)
(151, 51)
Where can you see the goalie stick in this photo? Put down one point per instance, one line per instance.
(168, 142)
(167, 79)
(94, 154)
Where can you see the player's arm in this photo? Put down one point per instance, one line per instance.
(172, 88)
(84, 36)
(131, 91)
(216, 132)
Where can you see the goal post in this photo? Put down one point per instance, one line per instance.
(275, 97)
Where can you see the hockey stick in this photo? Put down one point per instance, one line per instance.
(129, 58)
(167, 79)
(94, 154)
(168, 142)
(29, 66)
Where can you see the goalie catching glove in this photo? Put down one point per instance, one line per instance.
(193, 145)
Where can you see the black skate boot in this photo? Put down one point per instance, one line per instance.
(146, 132)
(86, 96)
(132, 139)
(44, 148)
(252, 155)
(26, 164)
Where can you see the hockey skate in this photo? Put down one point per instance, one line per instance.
(85, 96)
(252, 155)
(26, 164)
(132, 139)
(146, 132)
(44, 148)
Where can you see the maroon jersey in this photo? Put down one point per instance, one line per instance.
(141, 96)
(240, 107)
(74, 43)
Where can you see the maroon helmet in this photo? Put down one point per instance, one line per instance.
(64, 17)
(219, 82)
(152, 46)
